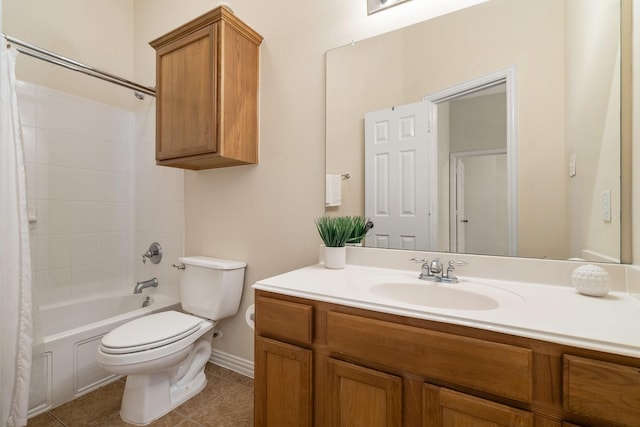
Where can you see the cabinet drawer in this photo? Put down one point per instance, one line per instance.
(496, 368)
(602, 390)
(285, 320)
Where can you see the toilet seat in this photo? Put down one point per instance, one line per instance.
(148, 332)
(154, 337)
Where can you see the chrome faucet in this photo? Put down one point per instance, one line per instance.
(151, 283)
(434, 271)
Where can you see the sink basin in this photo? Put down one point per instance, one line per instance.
(465, 295)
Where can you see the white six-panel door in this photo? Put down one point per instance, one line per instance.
(399, 162)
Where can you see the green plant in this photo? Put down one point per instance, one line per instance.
(335, 230)
(361, 227)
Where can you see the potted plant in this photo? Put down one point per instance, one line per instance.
(334, 232)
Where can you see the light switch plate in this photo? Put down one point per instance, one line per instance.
(606, 206)
(572, 165)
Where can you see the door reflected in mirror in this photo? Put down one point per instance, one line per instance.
(565, 57)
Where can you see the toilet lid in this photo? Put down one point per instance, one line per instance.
(150, 331)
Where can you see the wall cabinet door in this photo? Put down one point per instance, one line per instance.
(207, 72)
(362, 397)
(283, 375)
(448, 408)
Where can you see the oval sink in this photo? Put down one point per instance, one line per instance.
(465, 295)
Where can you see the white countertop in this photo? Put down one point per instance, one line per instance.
(546, 312)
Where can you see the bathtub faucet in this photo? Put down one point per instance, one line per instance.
(145, 284)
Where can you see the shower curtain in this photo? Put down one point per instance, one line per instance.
(15, 257)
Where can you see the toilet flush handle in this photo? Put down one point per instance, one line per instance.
(180, 266)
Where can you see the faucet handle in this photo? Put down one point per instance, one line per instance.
(450, 269)
(416, 259)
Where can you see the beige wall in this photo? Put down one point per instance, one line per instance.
(592, 96)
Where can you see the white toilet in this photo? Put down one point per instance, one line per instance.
(164, 354)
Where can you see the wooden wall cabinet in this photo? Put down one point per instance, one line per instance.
(207, 74)
(341, 366)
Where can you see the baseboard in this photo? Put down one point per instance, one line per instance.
(231, 362)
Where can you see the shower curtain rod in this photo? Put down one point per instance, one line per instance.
(54, 58)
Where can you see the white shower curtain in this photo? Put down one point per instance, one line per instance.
(15, 257)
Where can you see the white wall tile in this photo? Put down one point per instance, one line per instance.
(86, 249)
(53, 182)
(115, 187)
(53, 252)
(89, 120)
(88, 153)
(116, 216)
(54, 148)
(115, 277)
(58, 217)
(84, 167)
(86, 217)
(86, 280)
(52, 286)
(87, 185)
(54, 112)
(116, 157)
(115, 247)
(29, 139)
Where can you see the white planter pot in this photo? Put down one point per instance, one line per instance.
(335, 258)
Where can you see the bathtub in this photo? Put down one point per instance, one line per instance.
(72, 332)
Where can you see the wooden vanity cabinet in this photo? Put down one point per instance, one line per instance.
(207, 75)
(325, 364)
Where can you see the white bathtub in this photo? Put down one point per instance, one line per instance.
(72, 332)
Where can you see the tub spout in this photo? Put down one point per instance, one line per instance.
(145, 284)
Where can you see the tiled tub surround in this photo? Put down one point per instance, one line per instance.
(551, 309)
(79, 187)
(97, 196)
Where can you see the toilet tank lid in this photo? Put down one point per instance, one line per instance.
(217, 263)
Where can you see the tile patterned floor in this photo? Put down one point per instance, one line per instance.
(226, 401)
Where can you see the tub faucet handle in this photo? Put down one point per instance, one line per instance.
(154, 253)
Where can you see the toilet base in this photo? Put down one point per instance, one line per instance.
(148, 397)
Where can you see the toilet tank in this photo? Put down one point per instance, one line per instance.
(211, 287)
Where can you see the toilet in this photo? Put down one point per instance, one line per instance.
(164, 354)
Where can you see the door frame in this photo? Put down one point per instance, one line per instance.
(508, 76)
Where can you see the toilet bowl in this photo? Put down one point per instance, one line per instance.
(164, 354)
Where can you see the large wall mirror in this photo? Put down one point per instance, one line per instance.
(516, 104)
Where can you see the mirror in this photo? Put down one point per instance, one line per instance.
(565, 57)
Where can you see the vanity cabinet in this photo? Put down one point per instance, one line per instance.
(207, 93)
(325, 364)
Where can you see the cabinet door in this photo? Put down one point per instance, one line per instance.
(600, 390)
(283, 384)
(361, 397)
(448, 408)
(186, 107)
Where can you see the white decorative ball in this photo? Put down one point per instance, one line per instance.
(591, 280)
